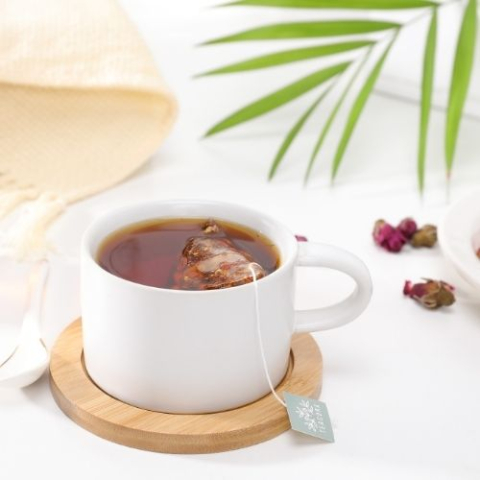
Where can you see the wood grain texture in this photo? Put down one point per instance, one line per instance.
(91, 408)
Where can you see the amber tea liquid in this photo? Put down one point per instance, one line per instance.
(149, 252)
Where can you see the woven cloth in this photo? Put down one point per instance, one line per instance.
(82, 106)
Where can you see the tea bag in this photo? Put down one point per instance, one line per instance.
(213, 261)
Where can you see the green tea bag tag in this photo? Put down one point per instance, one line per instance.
(309, 416)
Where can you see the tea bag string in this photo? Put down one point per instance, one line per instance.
(260, 341)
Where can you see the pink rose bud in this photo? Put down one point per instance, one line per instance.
(407, 227)
(431, 293)
(388, 237)
(301, 238)
(396, 242)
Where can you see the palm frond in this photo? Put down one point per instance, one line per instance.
(333, 114)
(330, 28)
(357, 108)
(293, 133)
(461, 73)
(278, 98)
(335, 4)
(363, 28)
(426, 96)
(289, 56)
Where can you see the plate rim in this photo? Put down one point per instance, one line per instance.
(457, 229)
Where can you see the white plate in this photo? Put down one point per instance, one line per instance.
(459, 237)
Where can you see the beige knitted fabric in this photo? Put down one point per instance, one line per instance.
(82, 106)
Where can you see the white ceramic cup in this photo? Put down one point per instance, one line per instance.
(198, 351)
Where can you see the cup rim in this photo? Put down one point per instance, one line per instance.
(86, 251)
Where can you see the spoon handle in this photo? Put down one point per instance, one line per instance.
(37, 282)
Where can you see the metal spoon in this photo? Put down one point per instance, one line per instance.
(30, 358)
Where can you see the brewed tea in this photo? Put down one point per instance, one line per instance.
(188, 254)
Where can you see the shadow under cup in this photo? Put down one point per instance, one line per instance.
(180, 351)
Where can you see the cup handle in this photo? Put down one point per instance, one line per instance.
(327, 256)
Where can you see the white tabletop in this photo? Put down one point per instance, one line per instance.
(401, 383)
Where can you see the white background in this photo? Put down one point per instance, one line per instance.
(401, 383)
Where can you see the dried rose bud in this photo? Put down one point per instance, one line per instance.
(478, 253)
(431, 293)
(388, 237)
(424, 237)
(408, 227)
(301, 238)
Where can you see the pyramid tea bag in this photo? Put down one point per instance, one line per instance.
(212, 262)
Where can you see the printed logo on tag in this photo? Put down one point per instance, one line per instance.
(309, 416)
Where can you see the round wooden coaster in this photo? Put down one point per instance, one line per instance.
(91, 408)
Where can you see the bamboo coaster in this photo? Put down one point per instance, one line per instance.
(91, 408)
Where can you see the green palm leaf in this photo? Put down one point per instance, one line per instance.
(289, 56)
(307, 30)
(426, 100)
(311, 28)
(293, 133)
(332, 116)
(357, 108)
(278, 98)
(461, 73)
(336, 4)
